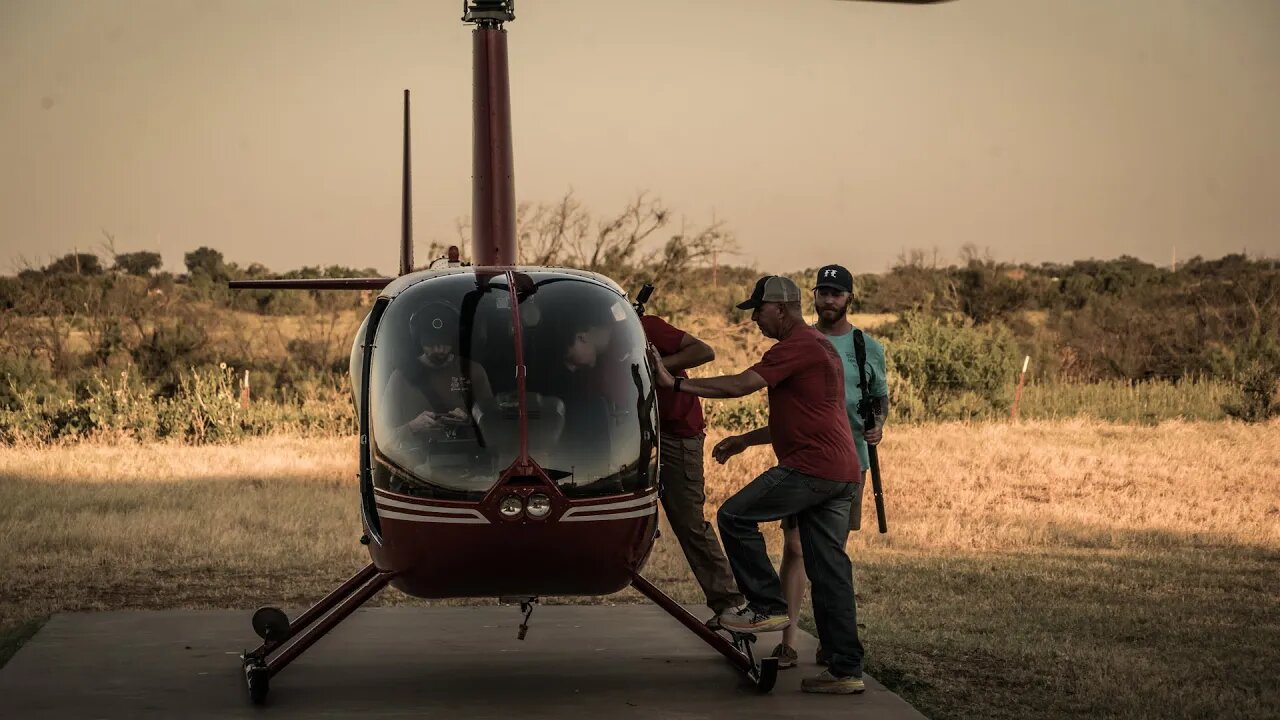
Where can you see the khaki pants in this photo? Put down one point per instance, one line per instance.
(683, 497)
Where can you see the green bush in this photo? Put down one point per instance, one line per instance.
(737, 415)
(905, 402)
(950, 370)
(205, 408)
(19, 375)
(1259, 385)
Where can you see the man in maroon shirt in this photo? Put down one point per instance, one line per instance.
(813, 480)
(683, 485)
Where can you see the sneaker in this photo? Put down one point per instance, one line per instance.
(822, 657)
(825, 682)
(713, 623)
(747, 620)
(787, 656)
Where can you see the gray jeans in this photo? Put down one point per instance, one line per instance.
(821, 508)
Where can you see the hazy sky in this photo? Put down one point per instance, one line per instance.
(819, 130)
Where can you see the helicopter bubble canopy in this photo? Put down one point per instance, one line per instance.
(444, 394)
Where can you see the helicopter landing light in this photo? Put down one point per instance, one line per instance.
(511, 507)
(539, 505)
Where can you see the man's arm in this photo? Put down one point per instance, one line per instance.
(879, 390)
(735, 444)
(725, 386)
(692, 353)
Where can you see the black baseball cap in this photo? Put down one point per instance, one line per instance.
(435, 323)
(835, 277)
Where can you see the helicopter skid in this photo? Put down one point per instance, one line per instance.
(284, 640)
(735, 646)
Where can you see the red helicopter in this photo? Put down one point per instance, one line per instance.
(500, 407)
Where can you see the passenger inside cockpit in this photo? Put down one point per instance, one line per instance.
(597, 358)
(595, 365)
(433, 395)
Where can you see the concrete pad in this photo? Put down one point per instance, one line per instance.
(613, 662)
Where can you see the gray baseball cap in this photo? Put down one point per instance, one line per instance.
(771, 288)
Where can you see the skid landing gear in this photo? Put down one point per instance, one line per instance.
(284, 640)
(735, 646)
(258, 679)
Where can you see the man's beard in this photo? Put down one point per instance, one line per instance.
(834, 313)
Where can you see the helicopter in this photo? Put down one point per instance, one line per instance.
(508, 423)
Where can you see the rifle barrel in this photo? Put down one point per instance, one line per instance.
(876, 488)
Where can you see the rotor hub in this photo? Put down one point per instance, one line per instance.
(487, 13)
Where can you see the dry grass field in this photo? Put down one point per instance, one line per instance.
(1036, 570)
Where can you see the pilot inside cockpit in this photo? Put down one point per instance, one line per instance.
(432, 396)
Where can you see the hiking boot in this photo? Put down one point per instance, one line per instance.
(825, 682)
(822, 657)
(787, 656)
(745, 619)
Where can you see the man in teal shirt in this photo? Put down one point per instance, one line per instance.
(832, 295)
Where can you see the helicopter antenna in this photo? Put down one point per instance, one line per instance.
(493, 239)
(406, 202)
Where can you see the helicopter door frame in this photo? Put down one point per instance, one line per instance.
(368, 501)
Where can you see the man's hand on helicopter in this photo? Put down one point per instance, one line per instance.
(729, 447)
(661, 375)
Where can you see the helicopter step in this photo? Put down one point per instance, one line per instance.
(764, 672)
(284, 640)
(737, 647)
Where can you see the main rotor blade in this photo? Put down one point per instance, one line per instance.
(367, 283)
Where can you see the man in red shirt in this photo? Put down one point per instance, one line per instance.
(683, 485)
(813, 480)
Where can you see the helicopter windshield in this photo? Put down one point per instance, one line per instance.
(444, 398)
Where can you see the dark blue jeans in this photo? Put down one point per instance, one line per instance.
(822, 509)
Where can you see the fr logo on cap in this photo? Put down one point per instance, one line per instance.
(771, 288)
(834, 277)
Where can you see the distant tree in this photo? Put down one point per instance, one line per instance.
(915, 282)
(207, 262)
(138, 263)
(625, 245)
(989, 291)
(75, 263)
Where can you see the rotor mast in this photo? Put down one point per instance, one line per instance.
(406, 202)
(493, 230)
